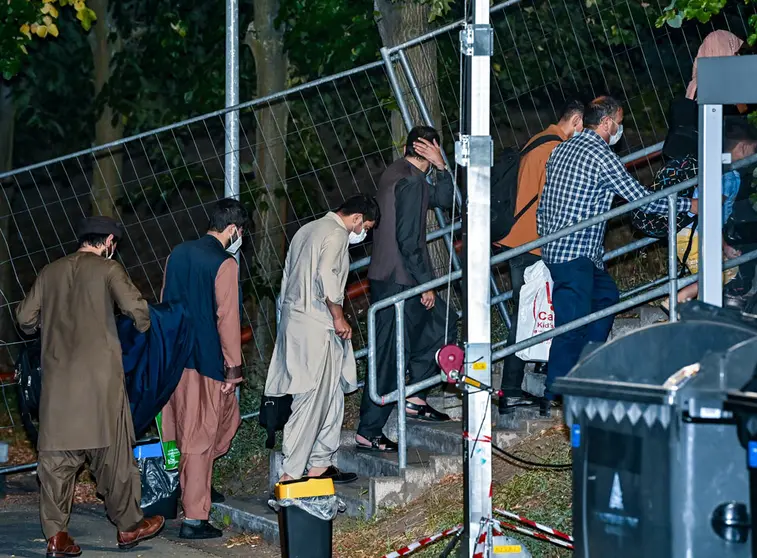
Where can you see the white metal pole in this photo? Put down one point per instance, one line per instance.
(710, 204)
(477, 41)
(231, 168)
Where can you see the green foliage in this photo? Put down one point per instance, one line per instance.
(702, 11)
(22, 20)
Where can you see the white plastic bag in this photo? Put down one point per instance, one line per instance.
(535, 312)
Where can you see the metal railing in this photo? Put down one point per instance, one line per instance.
(398, 301)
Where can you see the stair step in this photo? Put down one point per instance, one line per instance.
(251, 515)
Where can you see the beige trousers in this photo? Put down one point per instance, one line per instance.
(117, 478)
(312, 433)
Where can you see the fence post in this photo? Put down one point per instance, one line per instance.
(710, 201)
(231, 168)
(475, 151)
(673, 257)
(421, 102)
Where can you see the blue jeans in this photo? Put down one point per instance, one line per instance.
(580, 288)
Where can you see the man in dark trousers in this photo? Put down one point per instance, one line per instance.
(84, 413)
(400, 261)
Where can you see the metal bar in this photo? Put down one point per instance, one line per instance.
(611, 310)
(426, 115)
(710, 196)
(231, 168)
(477, 422)
(673, 258)
(395, 84)
(267, 99)
(399, 320)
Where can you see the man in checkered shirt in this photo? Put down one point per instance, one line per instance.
(583, 177)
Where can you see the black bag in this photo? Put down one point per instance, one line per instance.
(274, 414)
(683, 134)
(504, 188)
(160, 488)
(29, 373)
(674, 172)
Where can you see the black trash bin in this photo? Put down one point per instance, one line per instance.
(655, 458)
(743, 404)
(302, 534)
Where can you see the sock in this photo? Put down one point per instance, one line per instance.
(193, 522)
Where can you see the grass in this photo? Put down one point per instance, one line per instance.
(541, 495)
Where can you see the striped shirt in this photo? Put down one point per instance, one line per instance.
(583, 177)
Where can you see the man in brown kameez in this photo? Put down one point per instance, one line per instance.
(203, 413)
(84, 411)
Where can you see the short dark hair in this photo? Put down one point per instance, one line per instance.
(227, 211)
(735, 130)
(570, 108)
(599, 109)
(93, 239)
(420, 132)
(363, 204)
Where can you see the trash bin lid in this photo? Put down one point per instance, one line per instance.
(636, 366)
(304, 488)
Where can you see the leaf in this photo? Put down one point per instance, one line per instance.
(676, 22)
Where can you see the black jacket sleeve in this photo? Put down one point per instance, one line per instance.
(442, 193)
(408, 198)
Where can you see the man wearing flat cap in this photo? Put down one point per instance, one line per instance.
(84, 413)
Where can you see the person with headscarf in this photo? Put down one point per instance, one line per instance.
(716, 44)
(84, 414)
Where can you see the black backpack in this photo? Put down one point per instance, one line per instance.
(504, 188)
(29, 373)
(274, 414)
(674, 172)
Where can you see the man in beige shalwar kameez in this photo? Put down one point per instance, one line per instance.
(203, 413)
(313, 359)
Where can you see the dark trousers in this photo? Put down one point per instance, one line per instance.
(513, 367)
(580, 288)
(424, 336)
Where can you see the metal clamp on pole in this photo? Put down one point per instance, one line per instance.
(474, 151)
(477, 40)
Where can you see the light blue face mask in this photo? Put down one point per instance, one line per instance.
(576, 132)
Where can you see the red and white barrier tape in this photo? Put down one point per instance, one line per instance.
(535, 534)
(534, 524)
(412, 547)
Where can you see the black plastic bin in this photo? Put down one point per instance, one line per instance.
(656, 466)
(301, 534)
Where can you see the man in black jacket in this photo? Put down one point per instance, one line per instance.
(400, 261)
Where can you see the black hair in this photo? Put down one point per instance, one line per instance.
(420, 132)
(227, 211)
(93, 239)
(735, 130)
(599, 109)
(362, 204)
(571, 108)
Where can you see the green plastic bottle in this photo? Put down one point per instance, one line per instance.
(171, 452)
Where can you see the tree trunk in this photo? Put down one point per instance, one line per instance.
(106, 171)
(399, 21)
(266, 41)
(7, 286)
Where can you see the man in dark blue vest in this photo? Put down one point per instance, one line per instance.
(203, 414)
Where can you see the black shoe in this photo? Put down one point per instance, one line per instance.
(216, 497)
(381, 444)
(426, 413)
(546, 406)
(202, 531)
(339, 477)
(509, 404)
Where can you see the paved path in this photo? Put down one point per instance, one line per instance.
(20, 536)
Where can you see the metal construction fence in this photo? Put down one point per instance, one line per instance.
(304, 150)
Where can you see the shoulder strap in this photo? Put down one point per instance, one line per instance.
(539, 142)
(533, 145)
(686, 252)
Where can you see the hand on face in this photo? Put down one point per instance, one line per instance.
(430, 151)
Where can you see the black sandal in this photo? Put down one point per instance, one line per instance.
(376, 443)
(425, 412)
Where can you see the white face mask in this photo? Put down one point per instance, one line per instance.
(357, 238)
(235, 244)
(576, 132)
(108, 255)
(615, 138)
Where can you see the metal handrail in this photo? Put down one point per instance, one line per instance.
(398, 301)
